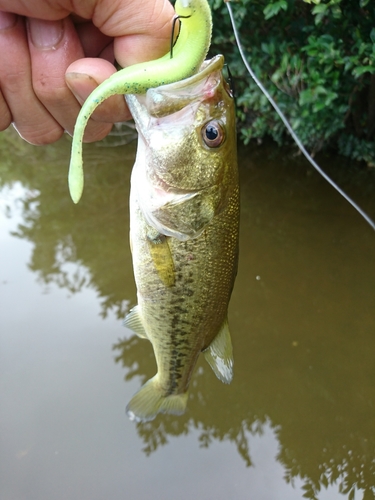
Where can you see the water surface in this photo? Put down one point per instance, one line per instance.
(297, 422)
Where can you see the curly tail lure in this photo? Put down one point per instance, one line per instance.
(189, 52)
(288, 126)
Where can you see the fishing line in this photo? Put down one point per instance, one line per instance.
(288, 126)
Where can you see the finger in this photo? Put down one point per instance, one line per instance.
(93, 41)
(5, 115)
(140, 34)
(84, 76)
(43, 9)
(54, 45)
(6, 22)
(30, 118)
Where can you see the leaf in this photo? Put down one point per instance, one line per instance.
(318, 106)
(336, 11)
(363, 69)
(305, 97)
(320, 11)
(272, 9)
(320, 8)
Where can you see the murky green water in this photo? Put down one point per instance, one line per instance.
(299, 418)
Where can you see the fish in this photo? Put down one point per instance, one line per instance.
(184, 229)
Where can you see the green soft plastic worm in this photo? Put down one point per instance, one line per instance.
(189, 52)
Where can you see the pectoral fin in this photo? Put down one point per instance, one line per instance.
(219, 354)
(162, 257)
(133, 321)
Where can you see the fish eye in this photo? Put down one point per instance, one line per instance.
(213, 134)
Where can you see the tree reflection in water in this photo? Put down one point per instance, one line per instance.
(303, 334)
(75, 246)
(327, 450)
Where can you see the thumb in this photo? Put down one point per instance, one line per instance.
(139, 34)
(83, 76)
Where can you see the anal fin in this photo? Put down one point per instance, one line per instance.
(219, 354)
(133, 321)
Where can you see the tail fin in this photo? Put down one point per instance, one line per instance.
(149, 401)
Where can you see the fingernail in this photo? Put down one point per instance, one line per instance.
(7, 20)
(81, 85)
(45, 34)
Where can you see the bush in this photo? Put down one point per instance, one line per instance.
(316, 59)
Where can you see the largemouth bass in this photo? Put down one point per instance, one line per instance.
(184, 217)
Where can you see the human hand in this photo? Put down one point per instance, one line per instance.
(53, 54)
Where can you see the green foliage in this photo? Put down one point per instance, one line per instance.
(272, 9)
(317, 60)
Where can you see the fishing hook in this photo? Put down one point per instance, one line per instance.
(230, 81)
(173, 41)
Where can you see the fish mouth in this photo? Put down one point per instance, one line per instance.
(168, 99)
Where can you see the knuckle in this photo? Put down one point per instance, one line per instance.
(5, 114)
(113, 110)
(5, 117)
(96, 131)
(49, 93)
(4, 124)
(13, 79)
(39, 136)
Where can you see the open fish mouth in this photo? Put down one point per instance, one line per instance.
(168, 99)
